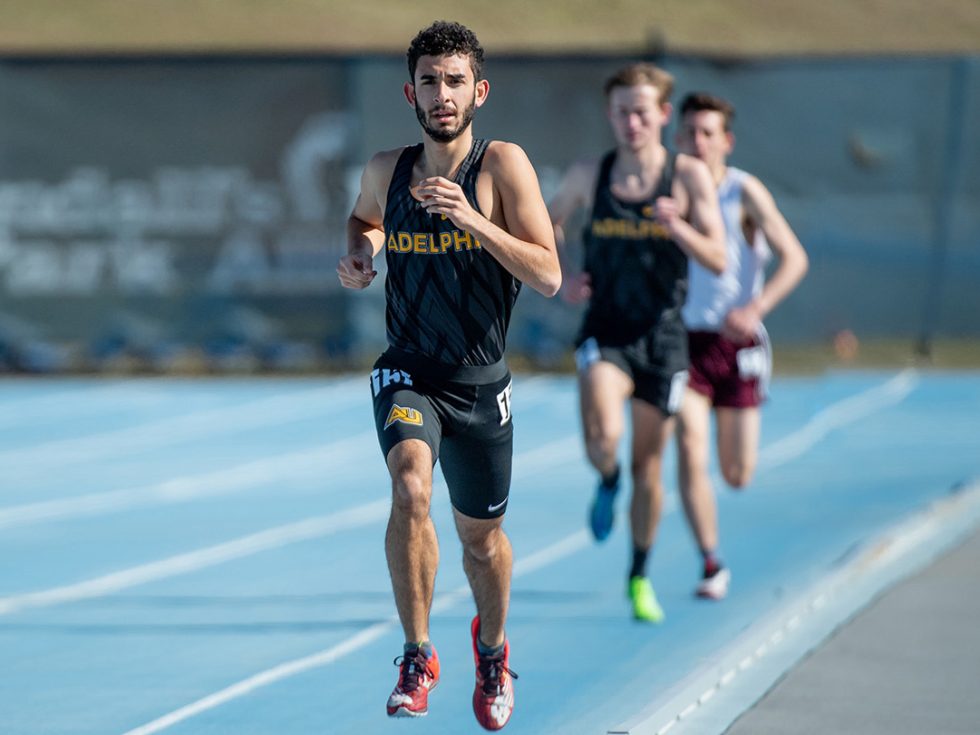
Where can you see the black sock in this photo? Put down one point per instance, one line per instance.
(612, 481)
(425, 647)
(712, 563)
(488, 651)
(639, 568)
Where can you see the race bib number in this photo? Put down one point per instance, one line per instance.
(503, 403)
(587, 354)
(753, 362)
(676, 396)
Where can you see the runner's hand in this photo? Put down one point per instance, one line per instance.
(356, 270)
(442, 196)
(667, 212)
(742, 324)
(577, 289)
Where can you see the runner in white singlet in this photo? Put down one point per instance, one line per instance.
(730, 357)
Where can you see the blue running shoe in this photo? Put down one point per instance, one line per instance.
(602, 511)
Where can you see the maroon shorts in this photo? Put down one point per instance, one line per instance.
(731, 374)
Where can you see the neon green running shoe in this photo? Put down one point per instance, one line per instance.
(645, 605)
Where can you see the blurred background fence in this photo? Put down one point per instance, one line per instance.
(186, 213)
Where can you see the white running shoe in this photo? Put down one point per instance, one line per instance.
(715, 586)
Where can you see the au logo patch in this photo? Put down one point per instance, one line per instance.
(405, 415)
(647, 211)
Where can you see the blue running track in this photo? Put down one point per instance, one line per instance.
(206, 556)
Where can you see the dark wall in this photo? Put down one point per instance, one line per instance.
(160, 208)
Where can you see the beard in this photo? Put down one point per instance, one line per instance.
(442, 135)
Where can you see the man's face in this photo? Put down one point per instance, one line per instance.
(445, 95)
(702, 134)
(636, 115)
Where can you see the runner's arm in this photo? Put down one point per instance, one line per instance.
(761, 208)
(526, 248)
(574, 193)
(365, 234)
(702, 233)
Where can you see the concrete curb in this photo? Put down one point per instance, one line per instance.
(718, 692)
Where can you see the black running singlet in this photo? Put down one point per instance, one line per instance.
(639, 274)
(447, 298)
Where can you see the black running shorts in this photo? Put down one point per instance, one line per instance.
(467, 426)
(656, 363)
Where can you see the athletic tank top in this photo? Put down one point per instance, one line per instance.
(447, 299)
(639, 274)
(710, 297)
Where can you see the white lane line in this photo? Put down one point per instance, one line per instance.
(83, 400)
(835, 416)
(193, 561)
(269, 676)
(839, 414)
(201, 424)
(556, 451)
(799, 626)
(542, 558)
(524, 463)
(276, 469)
(194, 487)
(665, 716)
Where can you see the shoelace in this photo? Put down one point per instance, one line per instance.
(413, 666)
(491, 667)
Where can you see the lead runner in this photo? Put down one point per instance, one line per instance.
(463, 225)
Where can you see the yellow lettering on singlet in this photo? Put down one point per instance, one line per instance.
(630, 229)
(425, 243)
(462, 238)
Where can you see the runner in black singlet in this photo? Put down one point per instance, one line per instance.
(638, 278)
(463, 225)
(445, 296)
(649, 212)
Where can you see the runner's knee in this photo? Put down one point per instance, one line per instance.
(692, 447)
(411, 493)
(482, 546)
(737, 474)
(601, 445)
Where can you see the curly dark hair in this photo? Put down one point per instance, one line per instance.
(444, 38)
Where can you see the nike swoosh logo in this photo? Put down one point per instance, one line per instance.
(498, 506)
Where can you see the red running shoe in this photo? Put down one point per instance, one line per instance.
(417, 674)
(493, 698)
